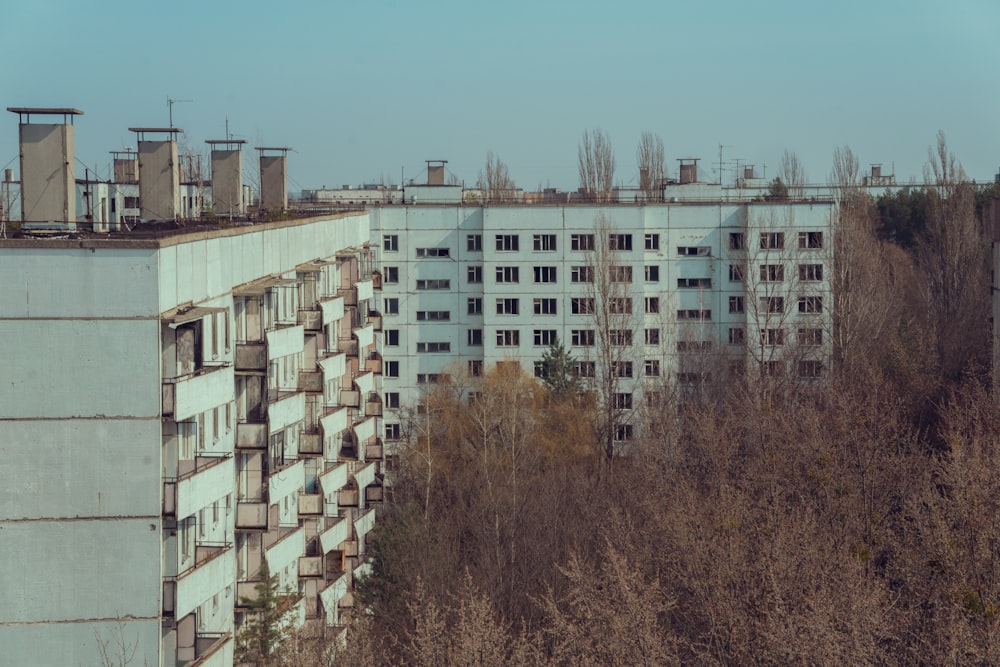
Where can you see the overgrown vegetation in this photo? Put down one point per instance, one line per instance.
(854, 521)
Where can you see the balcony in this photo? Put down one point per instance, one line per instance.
(311, 566)
(365, 290)
(348, 346)
(375, 320)
(373, 364)
(374, 494)
(198, 488)
(336, 534)
(251, 516)
(310, 504)
(332, 309)
(334, 479)
(311, 444)
(251, 435)
(373, 407)
(247, 592)
(287, 549)
(347, 498)
(286, 480)
(214, 566)
(285, 341)
(251, 357)
(211, 649)
(311, 381)
(310, 320)
(364, 524)
(350, 398)
(349, 295)
(189, 395)
(374, 451)
(331, 596)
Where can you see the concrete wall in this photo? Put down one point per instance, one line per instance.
(48, 180)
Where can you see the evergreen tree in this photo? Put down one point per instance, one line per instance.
(262, 635)
(559, 371)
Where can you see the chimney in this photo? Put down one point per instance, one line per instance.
(274, 179)
(689, 169)
(48, 176)
(159, 174)
(227, 176)
(435, 172)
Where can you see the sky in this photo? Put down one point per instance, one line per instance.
(366, 91)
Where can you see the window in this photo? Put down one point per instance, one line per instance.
(619, 305)
(772, 304)
(508, 337)
(581, 337)
(737, 368)
(581, 242)
(623, 432)
(810, 304)
(652, 241)
(621, 369)
(392, 431)
(586, 369)
(432, 252)
(737, 273)
(737, 241)
(539, 369)
(737, 304)
(475, 305)
(507, 274)
(737, 336)
(475, 337)
(392, 306)
(810, 272)
(391, 337)
(433, 315)
(475, 274)
(810, 369)
(545, 274)
(623, 401)
(620, 337)
(652, 274)
(772, 240)
(810, 337)
(620, 274)
(652, 336)
(390, 274)
(507, 242)
(581, 274)
(810, 240)
(689, 283)
(392, 399)
(391, 369)
(544, 336)
(545, 306)
(693, 314)
(772, 272)
(507, 307)
(652, 304)
(544, 242)
(474, 242)
(429, 378)
(653, 398)
(620, 241)
(774, 368)
(390, 242)
(772, 337)
(582, 305)
(433, 283)
(694, 346)
(475, 367)
(694, 377)
(652, 368)
(434, 347)
(694, 251)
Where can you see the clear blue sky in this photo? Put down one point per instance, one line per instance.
(363, 89)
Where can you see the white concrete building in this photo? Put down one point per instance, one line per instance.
(465, 287)
(174, 411)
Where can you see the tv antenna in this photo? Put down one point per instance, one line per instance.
(170, 106)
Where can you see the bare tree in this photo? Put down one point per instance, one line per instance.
(495, 182)
(792, 173)
(652, 164)
(953, 257)
(596, 162)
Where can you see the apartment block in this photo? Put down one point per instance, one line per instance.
(700, 290)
